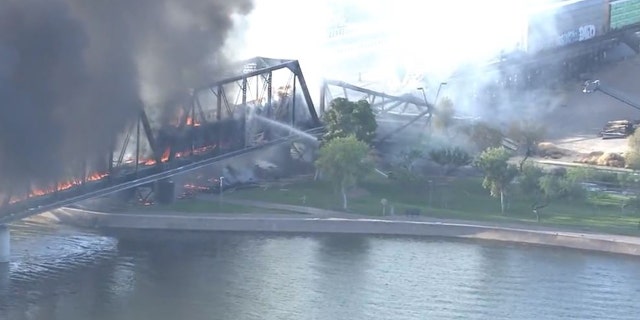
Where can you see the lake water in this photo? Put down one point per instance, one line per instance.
(69, 274)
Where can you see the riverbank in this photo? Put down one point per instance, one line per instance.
(460, 198)
(348, 224)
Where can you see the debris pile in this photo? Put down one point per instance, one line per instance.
(550, 150)
(599, 158)
(619, 129)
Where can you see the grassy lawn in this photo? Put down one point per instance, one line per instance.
(454, 199)
(203, 206)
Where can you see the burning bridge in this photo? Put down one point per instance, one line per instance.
(267, 103)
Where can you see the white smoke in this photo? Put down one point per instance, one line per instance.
(397, 46)
(384, 39)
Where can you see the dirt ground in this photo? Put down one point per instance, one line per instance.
(588, 144)
(575, 125)
(580, 145)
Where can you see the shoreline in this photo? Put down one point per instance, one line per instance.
(311, 224)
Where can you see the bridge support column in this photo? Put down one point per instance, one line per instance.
(165, 192)
(5, 245)
(5, 289)
(4, 285)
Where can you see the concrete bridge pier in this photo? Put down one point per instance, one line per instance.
(165, 192)
(5, 289)
(5, 251)
(4, 285)
(5, 245)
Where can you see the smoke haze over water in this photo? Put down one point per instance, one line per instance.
(72, 73)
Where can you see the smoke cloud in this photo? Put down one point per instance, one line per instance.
(377, 39)
(397, 46)
(73, 74)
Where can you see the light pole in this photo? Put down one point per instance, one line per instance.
(609, 132)
(428, 111)
(595, 85)
(221, 186)
(435, 101)
(430, 193)
(221, 190)
(424, 96)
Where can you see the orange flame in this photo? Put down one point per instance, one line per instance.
(96, 176)
(165, 155)
(163, 158)
(61, 186)
(192, 122)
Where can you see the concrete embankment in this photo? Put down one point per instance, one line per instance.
(298, 223)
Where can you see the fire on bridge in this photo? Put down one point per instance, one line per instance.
(219, 120)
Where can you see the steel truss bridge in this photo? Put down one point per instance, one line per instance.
(266, 104)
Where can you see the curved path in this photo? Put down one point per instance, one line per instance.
(323, 221)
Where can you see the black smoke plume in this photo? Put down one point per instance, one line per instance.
(73, 74)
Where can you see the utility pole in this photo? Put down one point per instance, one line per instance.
(592, 86)
(435, 100)
(220, 199)
(612, 129)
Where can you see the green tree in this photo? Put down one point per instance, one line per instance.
(529, 180)
(404, 165)
(632, 156)
(578, 174)
(450, 158)
(346, 118)
(555, 186)
(633, 203)
(529, 185)
(498, 173)
(345, 161)
(552, 186)
(564, 184)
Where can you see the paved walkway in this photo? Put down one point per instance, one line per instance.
(313, 220)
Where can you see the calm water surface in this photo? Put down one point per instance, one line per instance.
(64, 273)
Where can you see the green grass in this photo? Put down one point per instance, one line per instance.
(204, 206)
(455, 199)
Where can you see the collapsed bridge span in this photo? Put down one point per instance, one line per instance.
(393, 113)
